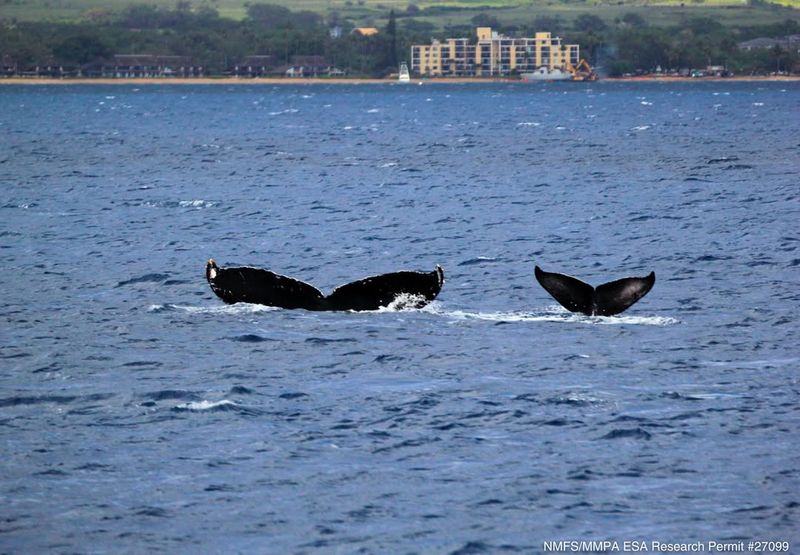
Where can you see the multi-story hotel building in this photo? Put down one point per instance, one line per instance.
(492, 54)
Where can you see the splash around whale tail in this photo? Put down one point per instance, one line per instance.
(375, 292)
(607, 299)
(255, 285)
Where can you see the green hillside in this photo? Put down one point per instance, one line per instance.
(440, 13)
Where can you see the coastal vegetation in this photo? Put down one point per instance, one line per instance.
(438, 12)
(619, 38)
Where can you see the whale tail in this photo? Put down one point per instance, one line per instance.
(255, 285)
(605, 300)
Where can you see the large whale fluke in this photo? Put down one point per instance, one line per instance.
(605, 300)
(244, 284)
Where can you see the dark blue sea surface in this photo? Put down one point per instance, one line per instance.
(139, 413)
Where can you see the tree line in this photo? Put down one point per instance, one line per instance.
(218, 44)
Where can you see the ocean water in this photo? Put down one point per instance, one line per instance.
(140, 414)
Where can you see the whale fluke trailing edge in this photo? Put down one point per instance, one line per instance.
(604, 300)
(244, 284)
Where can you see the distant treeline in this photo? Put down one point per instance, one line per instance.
(219, 44)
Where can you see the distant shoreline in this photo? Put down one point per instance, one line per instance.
(355, 81)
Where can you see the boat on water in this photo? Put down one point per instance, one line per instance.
(404, 76)
(546, 74)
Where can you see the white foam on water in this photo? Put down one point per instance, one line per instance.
(197, 203)
(408, 302)
(238, 308)
(502, 316)
(756, 364)
(635, 320)
(200, 406)
(557, 314)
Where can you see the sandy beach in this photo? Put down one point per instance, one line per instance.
(354, 81)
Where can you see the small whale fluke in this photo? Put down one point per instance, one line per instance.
(254, 285)
(605, 300)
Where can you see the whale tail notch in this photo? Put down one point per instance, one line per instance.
(607, 299)
(255, 285)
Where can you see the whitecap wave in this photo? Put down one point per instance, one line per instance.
(756, 364)
(225, 405)
(206, 405)
(287, 111)
(203, 406)
(197, 203)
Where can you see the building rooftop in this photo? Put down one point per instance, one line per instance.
(788, 42)
(366, 31)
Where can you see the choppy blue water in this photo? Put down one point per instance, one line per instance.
(138, 413)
